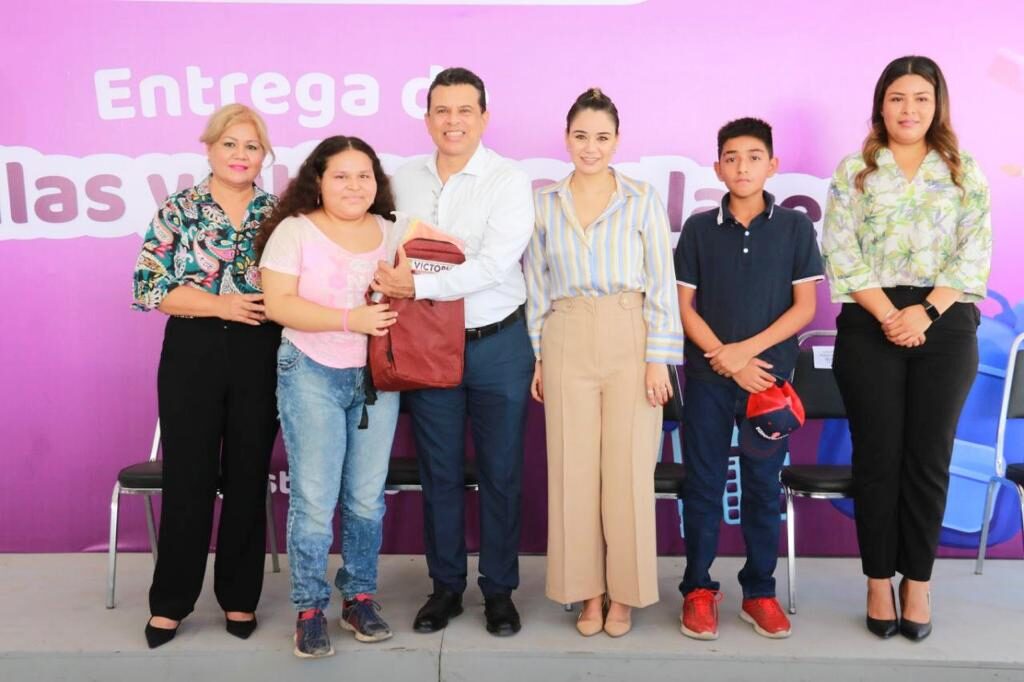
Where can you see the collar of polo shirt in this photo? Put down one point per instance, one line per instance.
(725, 216)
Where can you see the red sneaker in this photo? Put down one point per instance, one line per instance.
(699, 618)
(767, 617)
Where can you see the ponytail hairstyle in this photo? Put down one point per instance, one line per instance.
(940, 135)
(597, 101)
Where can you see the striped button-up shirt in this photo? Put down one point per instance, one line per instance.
(628, 248)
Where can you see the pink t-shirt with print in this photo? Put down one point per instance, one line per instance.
(328, 275)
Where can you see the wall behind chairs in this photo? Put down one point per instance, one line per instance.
(103, 103)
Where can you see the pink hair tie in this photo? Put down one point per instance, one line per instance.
(344, 319)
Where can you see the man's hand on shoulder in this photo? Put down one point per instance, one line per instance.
(394, 281)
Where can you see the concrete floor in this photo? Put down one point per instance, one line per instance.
(53, 626)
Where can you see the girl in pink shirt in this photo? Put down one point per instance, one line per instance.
(320, 250)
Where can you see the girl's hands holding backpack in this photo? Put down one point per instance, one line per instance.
(372, 320)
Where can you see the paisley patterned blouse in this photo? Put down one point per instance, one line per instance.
(192, 242)
(923, 232)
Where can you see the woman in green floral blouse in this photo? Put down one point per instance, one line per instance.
(907, 243)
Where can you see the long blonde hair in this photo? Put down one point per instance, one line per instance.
(940, 135)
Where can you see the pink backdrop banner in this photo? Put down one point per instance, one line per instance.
(105, 101)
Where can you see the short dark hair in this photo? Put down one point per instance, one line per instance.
(594, 99)
(746, 127)
(459, 76)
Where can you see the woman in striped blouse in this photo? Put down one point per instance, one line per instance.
(604, 322)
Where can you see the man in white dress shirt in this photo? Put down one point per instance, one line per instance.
(469, 191)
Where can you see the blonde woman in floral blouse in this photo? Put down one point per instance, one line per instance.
(216, 381)
(907, 244)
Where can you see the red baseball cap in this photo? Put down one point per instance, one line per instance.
(772, 415)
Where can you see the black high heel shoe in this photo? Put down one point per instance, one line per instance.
(240, 628)
(883, 627)
(159, 636)
(910, 629)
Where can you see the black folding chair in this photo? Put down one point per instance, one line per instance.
(147, 479)
(821, 399)
(669, 476)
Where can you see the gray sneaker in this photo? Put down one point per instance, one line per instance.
(361, 616)
(311, 638)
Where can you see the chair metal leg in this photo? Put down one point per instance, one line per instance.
(1020, 495)
(151, 526)
(985, 521)
(677, 457)
(115, 498)
(272, 532)
(791, 549)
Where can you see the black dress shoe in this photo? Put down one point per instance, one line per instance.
(884, 627)
(915, 632)
(159, 636)
(240, 628)
(442, 606)
(502, 617)
(910, 629)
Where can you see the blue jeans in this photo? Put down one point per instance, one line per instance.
(710, 410)
(332, 464)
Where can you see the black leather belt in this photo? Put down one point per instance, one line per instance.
(477, 333)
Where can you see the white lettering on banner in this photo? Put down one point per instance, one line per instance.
(196, 83)
(107, 93)
(315, 94)
(280, 483)
(412, 90)
(421, 265)
(55, 196)
(268, 86)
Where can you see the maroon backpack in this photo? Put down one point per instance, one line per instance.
(426, 345)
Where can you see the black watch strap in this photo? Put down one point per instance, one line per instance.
(933, 312)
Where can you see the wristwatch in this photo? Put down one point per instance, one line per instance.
(931, 310)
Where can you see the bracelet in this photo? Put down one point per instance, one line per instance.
(344, 319)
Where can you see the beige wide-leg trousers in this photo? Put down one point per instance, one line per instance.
(602, 441)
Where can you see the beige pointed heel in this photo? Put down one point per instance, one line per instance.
(617, 628)
(588, 627)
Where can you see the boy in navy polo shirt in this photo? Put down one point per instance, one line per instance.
(746, 277)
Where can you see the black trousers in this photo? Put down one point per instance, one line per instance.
(218, 418)
(903, 406)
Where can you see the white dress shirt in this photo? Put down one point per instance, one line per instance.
(488, 205)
